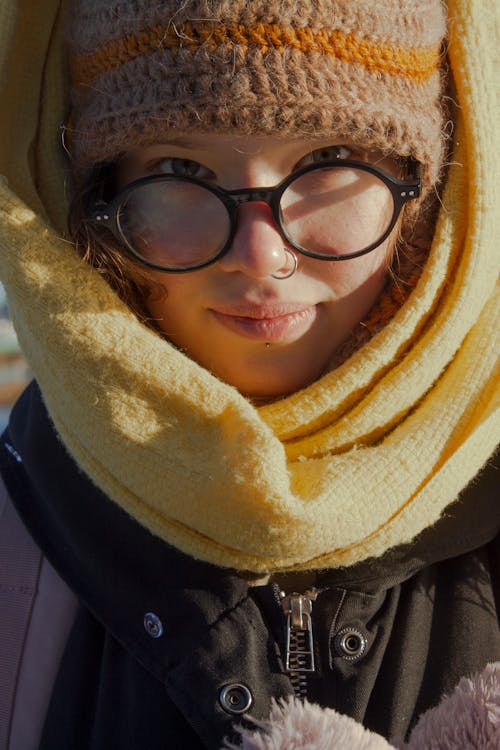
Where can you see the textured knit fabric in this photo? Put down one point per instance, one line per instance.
(356, 463)
(369, 73)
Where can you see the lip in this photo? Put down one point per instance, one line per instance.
(276, 323)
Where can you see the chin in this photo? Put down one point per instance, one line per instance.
(270, 383)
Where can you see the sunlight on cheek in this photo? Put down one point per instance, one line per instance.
(345, 277)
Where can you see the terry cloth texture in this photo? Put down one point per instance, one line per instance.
(366, 72)
(356, 463)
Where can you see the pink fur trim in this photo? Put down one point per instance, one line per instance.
(294, 725)
(468, 719)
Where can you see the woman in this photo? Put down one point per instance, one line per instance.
(249, 453)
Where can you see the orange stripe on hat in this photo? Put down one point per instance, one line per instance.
(416, 64)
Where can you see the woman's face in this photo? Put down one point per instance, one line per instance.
(267, 337)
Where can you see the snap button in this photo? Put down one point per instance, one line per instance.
(350, 643)
(235, 698)
(153, 625)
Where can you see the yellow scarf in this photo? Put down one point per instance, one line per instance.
(358, 462)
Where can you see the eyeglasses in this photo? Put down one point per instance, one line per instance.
(329, 211)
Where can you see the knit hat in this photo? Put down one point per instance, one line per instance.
(357, 70)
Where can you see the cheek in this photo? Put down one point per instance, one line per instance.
(171, 299)
(347, 276)
(181, 311)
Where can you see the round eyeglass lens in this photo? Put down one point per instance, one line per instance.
(336, 210)
(174, 224)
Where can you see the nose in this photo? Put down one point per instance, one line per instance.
(258, 249)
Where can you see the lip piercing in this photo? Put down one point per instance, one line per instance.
(287, 274)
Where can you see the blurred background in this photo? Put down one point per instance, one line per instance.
(14, 372)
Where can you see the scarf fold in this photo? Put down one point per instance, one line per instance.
(358, 462)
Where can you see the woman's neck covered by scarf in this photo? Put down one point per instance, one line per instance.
(360, 461)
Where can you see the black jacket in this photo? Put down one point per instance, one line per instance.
(160, 635)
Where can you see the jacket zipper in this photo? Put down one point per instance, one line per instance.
(299, 645)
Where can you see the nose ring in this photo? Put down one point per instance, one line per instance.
(292, 258)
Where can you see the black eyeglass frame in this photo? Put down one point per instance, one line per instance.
(402, 191)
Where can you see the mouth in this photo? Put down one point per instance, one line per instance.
(279, 323)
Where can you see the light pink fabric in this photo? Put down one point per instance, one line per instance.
(295, 725)
(468, 719)
(36, 619)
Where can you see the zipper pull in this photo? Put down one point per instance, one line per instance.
(299, 655)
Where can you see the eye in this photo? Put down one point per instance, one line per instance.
(181, 167)
(327, 153)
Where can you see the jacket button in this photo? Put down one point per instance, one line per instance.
(235, 698)
(350, 643)
(153, 625)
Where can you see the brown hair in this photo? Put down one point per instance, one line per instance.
(132, 281)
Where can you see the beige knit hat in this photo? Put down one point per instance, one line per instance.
(355, 69)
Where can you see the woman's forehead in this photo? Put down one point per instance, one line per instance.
(244, 144)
